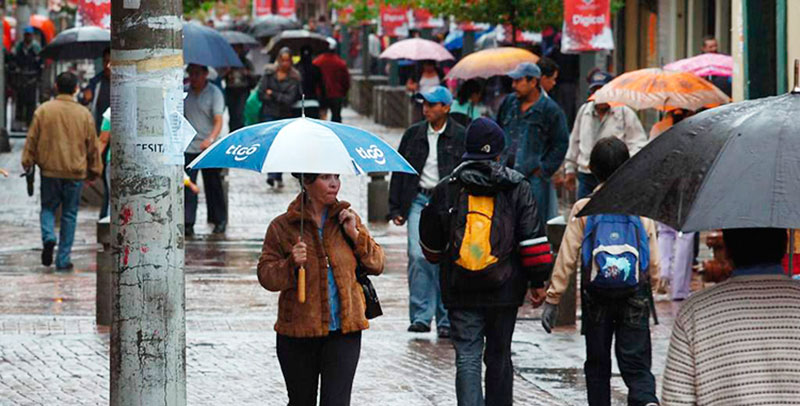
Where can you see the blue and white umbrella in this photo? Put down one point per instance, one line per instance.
(303, 145)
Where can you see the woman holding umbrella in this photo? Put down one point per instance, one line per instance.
(320, 336)
(278, 90)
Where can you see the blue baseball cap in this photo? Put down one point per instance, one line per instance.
(28, 30)
(438, 94)
(526, 70)
(599, 79)
(484, 140)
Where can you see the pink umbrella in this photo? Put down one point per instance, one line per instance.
(704, 65)
(416, 49)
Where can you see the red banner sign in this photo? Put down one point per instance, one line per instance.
(587, 26)
(95, 12)
(262, 7)
(393, 18)
(286, 8)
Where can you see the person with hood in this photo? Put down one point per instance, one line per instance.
(484, 280)
(313, 85)
(278, 90)
(319, 338)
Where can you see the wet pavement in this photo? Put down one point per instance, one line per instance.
(52, 352)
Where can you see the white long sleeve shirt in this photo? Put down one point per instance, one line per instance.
(620, 122)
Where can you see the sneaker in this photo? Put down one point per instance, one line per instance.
(419, 327)
(47, 253)
(188, 231)
(271, 182)
(66, 268)
(443, 332)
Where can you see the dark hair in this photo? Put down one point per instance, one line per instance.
(66, 82)
(708, 38)
(608, 154)
(194, 65)
(548, 66)
(322, 18)
(467, 89)
(307, 178)
(754, 246)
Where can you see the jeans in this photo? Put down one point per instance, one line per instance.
(586, 184)
(469, 329)
(546, 199)
(215, 196)
(67, 194)
(628, 320)
(304, 360)
(425, 297)
(677, 253)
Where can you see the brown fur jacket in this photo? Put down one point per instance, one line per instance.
(276, 273)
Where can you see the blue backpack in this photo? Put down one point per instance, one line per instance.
(615, 255)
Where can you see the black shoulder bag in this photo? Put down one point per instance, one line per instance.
(373, 304)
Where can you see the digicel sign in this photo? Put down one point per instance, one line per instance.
(587, 26)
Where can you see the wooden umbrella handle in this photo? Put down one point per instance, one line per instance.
(301, 284)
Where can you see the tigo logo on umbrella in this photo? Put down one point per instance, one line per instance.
(240, 153)
(374, 153)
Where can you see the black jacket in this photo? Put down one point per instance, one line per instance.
(414, 148)
(484, 178)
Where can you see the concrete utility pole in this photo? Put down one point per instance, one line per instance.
(148, 332)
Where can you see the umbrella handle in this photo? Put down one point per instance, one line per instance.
(301, 285)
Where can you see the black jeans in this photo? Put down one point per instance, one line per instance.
(335, 106)
(628, 320)
(215, 196)
(468, 328)
(235, 99)
(304, 360)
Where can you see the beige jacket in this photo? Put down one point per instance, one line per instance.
(620, 122)
(569, 254)
(62, 141)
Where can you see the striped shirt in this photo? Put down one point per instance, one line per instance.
(737, 343)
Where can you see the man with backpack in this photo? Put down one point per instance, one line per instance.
(617, 255)
(482, 228)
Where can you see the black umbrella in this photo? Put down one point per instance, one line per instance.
(735, 166)
(240, 38)
(78, 43)
(297, 39)
(271, 25)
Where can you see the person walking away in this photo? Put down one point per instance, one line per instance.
(536, 136)
(238, 82)
(593, 122)
(336, 78)
(97, 96)
(278, 90)
(203, 108)
(484, 280)
(312, 84)
(26, 55)
(434, 148)
(62, 142)
(321, 337)
(734, 343)
(467, 105)
(617, 255)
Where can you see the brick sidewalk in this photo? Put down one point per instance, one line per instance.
(51, 351)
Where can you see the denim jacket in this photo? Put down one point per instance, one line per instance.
(540, 135)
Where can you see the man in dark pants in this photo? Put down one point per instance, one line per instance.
(433, 147)
(203, 109)
(238, 82)
(483, 288)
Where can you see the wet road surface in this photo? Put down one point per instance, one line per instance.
(52, 352)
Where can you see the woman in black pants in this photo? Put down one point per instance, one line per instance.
(320, 335)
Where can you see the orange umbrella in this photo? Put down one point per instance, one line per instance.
(44, 25)
(490, 62)
(660, 89)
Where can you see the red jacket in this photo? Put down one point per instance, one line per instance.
(334, 74)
